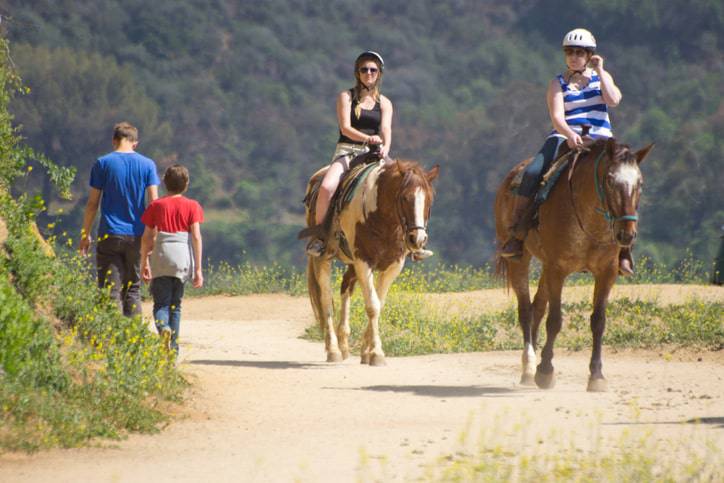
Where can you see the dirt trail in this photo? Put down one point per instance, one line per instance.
(265, 408)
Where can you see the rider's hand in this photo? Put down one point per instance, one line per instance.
(374, 139)
(574, 141)
(384, 151)
(596, 63)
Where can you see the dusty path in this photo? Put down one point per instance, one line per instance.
(264, 408)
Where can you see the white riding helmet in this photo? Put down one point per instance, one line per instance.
(371, 54)
(580, 38)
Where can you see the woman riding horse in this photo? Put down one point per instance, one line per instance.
(579, 97)
(365, 117)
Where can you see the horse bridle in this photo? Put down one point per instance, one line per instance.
(403, 221)
(606, 211)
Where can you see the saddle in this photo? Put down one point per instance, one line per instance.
(361, 166)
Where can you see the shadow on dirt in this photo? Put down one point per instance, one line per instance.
(259, 364)
(717, 422)
(444, 391)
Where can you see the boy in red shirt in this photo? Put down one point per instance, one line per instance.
(170, 222)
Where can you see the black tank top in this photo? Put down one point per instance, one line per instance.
(369, 122)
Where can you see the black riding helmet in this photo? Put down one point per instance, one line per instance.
(370, 54)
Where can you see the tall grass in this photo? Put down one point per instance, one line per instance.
(245, 279)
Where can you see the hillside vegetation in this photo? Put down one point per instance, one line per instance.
(243, 93)
(72, 368)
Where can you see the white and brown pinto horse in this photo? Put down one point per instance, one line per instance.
(384, 221)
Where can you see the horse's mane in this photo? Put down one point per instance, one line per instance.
(413, 176)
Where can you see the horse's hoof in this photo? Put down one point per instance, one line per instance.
(545, 381)
(345, 355)
(597, 385)
(334, 357)
(377, 360)
(364, 359)
(527, 380)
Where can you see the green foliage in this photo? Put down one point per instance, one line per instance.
(98, 374)
(244, 94)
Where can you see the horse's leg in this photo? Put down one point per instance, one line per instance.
(323, 274)
(372, 307)
(544, 374)
(518, 276)
(343, 330)
(540, 303)
(530, 334)
(384, 282)
(604, 282)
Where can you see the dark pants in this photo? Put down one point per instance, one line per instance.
(537, 168)
(167, 293)
(118, 259)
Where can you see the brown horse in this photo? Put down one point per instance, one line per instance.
(582, 226)
(383, 222)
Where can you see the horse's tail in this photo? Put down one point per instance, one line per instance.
(315, 292)
(501, 270)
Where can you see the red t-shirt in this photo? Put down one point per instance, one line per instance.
(173, 214)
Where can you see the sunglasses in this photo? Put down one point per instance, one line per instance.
(576, 52)
(365, 70)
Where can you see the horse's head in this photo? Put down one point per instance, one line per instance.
(620, 189)
(414, 199)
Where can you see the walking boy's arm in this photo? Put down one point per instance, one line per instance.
(91, 208)
(197, 245)
(147, 241)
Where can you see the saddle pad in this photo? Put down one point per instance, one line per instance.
(549, 177)
(352, 182)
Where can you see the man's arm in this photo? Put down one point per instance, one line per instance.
(91, 208)
(151, 194)
(197, 245)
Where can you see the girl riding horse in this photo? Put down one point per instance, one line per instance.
(579, 97)
(365, 118)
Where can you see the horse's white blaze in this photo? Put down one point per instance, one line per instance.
(420, 234)
(628, 176)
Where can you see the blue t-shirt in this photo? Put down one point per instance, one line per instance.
(123, 179)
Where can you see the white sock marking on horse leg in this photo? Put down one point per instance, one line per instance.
(529, 360)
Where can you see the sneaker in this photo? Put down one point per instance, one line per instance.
(513, 248)
(166, 338)
(421, 254)
(315, 247)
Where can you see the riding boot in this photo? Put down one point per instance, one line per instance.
(316, 247)
(523, 210)
(625, 262)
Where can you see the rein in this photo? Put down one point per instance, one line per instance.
(600, 193)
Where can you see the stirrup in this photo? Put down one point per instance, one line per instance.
(315, 247)
(421, 254)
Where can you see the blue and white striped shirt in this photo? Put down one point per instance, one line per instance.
(586, 107)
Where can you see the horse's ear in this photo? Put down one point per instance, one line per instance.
(611, 148)
(432, 174)
(642, 153)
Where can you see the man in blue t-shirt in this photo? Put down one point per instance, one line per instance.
(122, 183)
